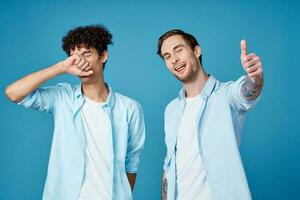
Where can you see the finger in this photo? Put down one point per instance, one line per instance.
(88, 67)
(252, 62)
(253, 68)
(77, 59)
(81, 63)
(250, 56)
(86, 73)
(243, 48)
(85, 65)
(257, 73)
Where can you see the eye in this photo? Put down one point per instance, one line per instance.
(87, 55)
(167, 57)
(179, 50)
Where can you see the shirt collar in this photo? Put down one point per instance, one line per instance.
(109, 101)
(206, 91)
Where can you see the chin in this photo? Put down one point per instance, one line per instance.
(86, 79)
(182, 77)
(185, 78)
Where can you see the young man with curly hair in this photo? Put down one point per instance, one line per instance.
(203, 124)
(98, 133)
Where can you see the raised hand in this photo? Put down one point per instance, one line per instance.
(253, 83)
(77, 65)
(251, 62)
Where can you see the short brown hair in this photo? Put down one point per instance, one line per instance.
(190, 40)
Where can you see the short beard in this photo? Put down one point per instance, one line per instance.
(190, 77)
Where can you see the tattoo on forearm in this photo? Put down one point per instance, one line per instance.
(250, 88)
(164, 189)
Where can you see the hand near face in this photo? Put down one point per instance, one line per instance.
(251, 63)
(77, 65)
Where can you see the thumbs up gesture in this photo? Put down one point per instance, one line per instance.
(251, 63)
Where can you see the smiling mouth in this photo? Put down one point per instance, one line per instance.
(180, 68)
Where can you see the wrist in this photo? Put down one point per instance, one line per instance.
(255, 80)
(258, 81)
(60, 68)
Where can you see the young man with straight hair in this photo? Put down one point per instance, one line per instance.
(203, 124)
(98, 133)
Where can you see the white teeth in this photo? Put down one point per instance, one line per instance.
(179, 67)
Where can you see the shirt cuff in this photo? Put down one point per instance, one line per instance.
(26, 101)
(132, 164)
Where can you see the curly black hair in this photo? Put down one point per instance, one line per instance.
(95, 36)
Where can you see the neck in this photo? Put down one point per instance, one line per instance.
(194, 87)
(96, 91)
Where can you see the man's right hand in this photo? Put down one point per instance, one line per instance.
(74, 64)
(77, 65)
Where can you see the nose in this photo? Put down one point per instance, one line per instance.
(175, 59)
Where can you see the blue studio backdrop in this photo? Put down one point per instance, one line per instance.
(31, 33)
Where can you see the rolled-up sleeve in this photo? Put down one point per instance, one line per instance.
(136, 139)
(42, 99)
(236, 99)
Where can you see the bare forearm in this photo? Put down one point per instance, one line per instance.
(251, 88)
(131, 179)
(24, 86)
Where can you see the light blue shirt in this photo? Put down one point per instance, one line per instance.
(67, 158)
(220, 120)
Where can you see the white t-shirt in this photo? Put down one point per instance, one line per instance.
(190, 176)
(97, 183)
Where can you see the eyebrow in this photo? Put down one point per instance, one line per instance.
(177, 46)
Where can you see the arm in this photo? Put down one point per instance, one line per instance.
(131, 179)
(136, 139)
(74, 64)
(253, 83)
(164, 187)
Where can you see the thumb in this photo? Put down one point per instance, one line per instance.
(86, 73)
(75, 59)
(243, 48)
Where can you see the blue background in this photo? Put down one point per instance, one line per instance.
(31, 33)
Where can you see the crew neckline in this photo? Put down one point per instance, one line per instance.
(192, 98)
(93, 102)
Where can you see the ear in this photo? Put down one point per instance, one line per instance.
(104, 56)
(197, 51)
